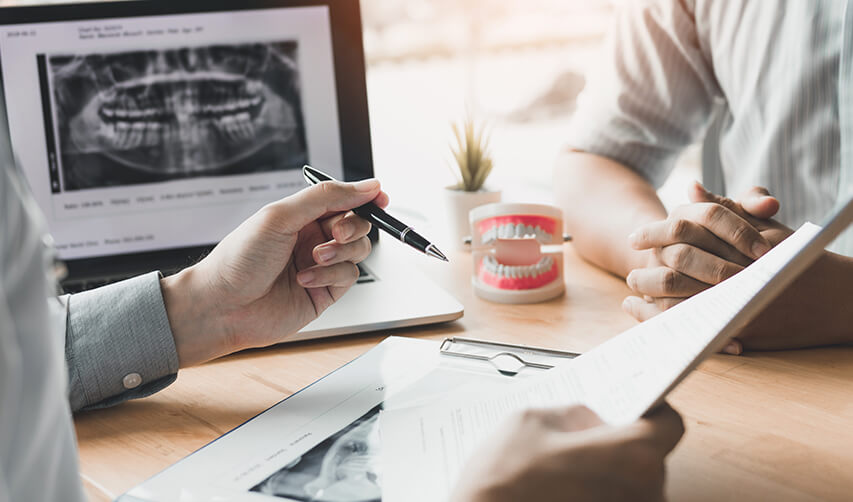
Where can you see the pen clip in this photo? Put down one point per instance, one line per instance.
(313, 176)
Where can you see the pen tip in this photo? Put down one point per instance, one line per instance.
(433, 251)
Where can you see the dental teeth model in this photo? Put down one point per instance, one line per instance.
(517, 252)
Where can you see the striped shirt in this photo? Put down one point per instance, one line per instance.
(766, 85)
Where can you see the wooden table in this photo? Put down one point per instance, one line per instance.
(765, 426)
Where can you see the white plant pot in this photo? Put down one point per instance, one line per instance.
(458, 203)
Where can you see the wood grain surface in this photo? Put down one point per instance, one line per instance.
(763, 426)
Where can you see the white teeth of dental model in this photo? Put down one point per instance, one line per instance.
(517, 272)
(515, 231)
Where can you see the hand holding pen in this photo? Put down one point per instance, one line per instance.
(382, 220)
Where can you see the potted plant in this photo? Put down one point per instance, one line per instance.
(471, 163)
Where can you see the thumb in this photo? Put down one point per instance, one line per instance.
(734, 347)
(292, 213)
(759, 203)
(663, 427)
(756, 203)
(574, 418)
(698, 193)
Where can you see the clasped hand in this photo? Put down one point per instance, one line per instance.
(699, 245)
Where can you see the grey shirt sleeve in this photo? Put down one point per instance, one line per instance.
(654, 93)
(118, 343)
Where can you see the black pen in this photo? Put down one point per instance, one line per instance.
(382, 220)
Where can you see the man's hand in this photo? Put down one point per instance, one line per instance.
(271, 276)
(700, 245)
(808, 313)
(569, 454)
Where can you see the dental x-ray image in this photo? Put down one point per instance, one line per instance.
(149, 116)
(342, 468)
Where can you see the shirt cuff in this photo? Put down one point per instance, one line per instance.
(118, 343)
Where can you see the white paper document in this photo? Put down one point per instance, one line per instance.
(425, 448)
(322, 443)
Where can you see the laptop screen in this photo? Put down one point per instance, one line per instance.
(140, 132)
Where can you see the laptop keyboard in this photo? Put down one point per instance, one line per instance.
(364, 276)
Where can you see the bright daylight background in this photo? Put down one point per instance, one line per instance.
(516, 64)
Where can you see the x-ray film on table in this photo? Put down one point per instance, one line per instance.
(322, 444)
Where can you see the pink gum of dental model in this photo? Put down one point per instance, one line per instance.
(510, 265)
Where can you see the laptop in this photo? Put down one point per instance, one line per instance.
(148, 130)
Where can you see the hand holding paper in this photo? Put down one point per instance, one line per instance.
(569, 453)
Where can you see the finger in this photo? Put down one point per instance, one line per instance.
(662, 427)
(333, 252)
(350, 228)
(678, 230)
(382, 200)
(698, 263)
(292, 213)
(697, 192)
(640, 309)
(758, 203)
(572, 418)
(663, 282)
(756, 190)
(338, 275)
(664, 304)
(728, 226)
(326, 224)
(734, 347)
(345, 227)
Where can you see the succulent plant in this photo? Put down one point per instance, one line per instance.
(471, 155)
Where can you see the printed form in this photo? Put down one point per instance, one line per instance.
(425, 448)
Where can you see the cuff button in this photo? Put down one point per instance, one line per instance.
(131, 381)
